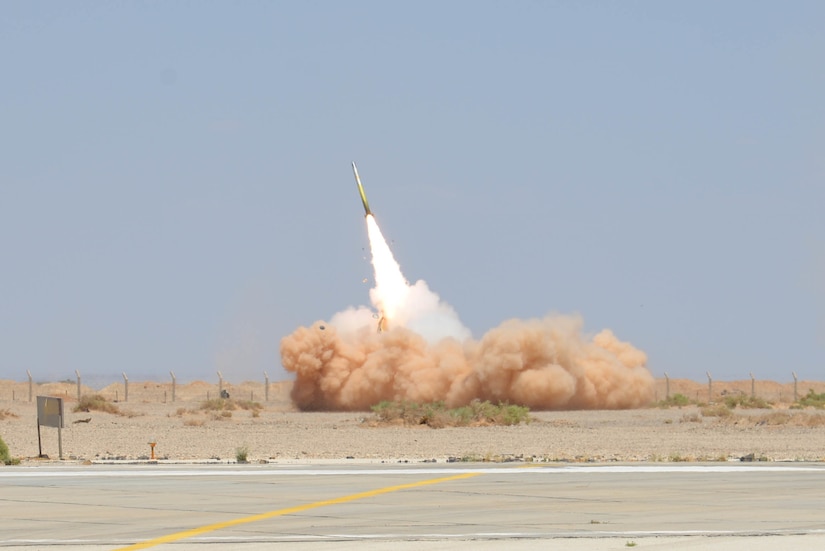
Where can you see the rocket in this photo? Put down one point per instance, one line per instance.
(361, 190)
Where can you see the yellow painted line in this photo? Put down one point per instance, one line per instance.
(288, 511)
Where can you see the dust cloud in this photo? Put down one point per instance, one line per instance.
(411, 346)
(545, 364)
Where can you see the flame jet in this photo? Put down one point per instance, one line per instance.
(361, 191)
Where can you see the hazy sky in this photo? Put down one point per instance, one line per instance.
(176, 191)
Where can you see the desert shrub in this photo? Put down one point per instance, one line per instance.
(744, 401)
(95, 402)
(437, 415)
(812, 399)
(691, 418)
(679, 458)
(241, 454)
(510, 414)
(773, 418)
(718, 410)
(677, 400)
(797, 419)
(814, 421)
(228, 404)
(411, 413)
(193, 422)
(249, 405)
(218, 404)
(5, 457)
(7, 414)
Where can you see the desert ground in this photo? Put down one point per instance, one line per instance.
(174, 419)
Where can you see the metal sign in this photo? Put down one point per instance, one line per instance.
(50, 411)
(50, 414)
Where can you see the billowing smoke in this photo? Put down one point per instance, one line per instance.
(415, 348)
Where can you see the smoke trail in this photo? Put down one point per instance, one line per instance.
(420, 351)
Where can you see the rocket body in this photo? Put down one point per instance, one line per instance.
(361, 191)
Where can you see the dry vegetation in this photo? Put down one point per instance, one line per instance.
(7, 414)
(717, 410)
(96, 402)
(725, 413)
(781, 418)
(437, 415)
(218, 409)
(228, 404)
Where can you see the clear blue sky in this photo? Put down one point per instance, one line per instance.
(175, 188)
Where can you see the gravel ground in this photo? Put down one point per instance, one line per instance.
(277, 433)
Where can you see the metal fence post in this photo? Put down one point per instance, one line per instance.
(795, 381)
(710, 387)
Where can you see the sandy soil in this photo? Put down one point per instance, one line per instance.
(278, 433)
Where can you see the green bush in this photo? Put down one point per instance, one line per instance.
(746, 402)
(5, 457)
(812, 399)
(677, 400)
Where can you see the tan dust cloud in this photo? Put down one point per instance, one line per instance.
(412, 346)
(545, 364)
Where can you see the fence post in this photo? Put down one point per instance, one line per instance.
(30, 384)
(126, 388)
(710, 387)
(78, 384)
(667, 386)
(172, 373)
(266, 387)
(795, 393)
(220, 385)
(753, 386)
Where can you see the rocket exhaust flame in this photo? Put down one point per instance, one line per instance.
(423, 353)
(391, 289)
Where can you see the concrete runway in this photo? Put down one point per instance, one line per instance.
(380, 506)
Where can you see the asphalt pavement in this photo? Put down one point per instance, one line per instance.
(423, 506)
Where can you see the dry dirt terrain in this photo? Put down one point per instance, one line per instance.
(277, 432)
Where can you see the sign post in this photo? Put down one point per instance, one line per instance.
(50, 414)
